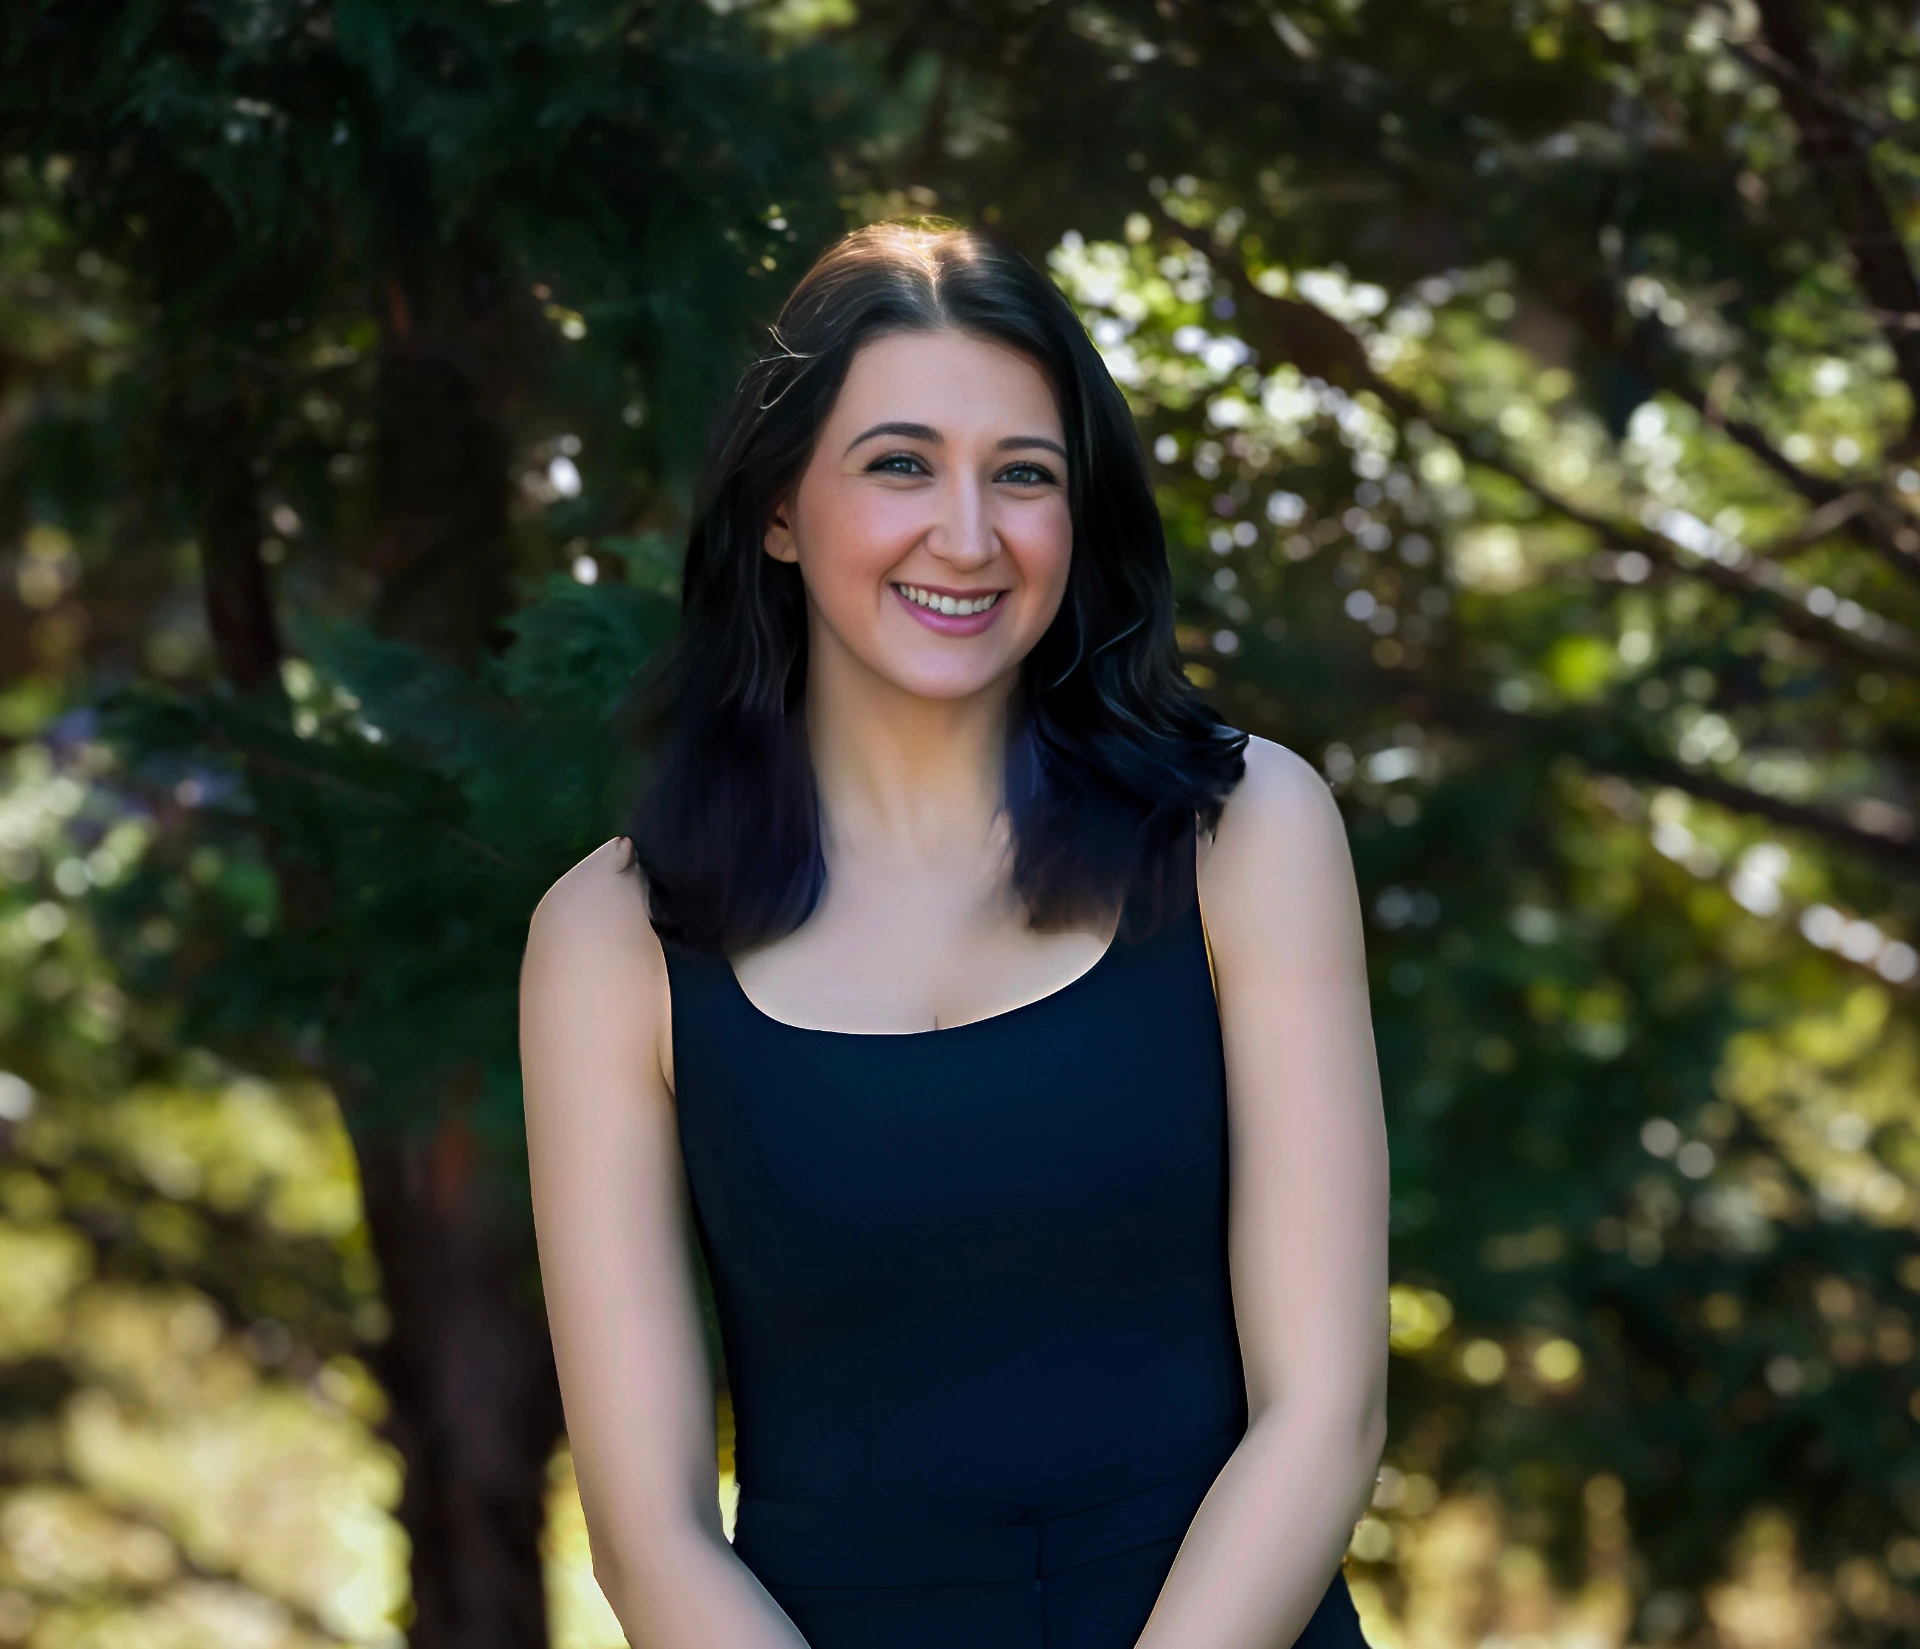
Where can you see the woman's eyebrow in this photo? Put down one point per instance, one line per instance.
(1013, 441)
(927, 433)
(912, 432)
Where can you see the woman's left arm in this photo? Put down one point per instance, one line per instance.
(1307, 1220)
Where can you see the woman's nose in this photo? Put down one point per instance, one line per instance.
(965, 536)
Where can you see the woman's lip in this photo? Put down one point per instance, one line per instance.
(950, 624)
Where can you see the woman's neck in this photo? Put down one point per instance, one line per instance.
(905, 780)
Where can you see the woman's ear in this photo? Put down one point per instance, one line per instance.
(779, 541)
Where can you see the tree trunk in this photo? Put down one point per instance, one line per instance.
(233, 576)
(440, 544)
(468, 1369)
(474, 1404)
(468, 1365)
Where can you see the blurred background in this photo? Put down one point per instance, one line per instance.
(1531, 390)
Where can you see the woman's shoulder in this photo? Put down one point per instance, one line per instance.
(596, 916)
(1281, 792)
(1280, 835)
(594, 993)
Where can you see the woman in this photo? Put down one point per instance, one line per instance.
(1048, 1244)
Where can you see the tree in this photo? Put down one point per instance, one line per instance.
(1531, 386)
(1495, 360)
(360, 244)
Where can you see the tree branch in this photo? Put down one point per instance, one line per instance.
(1901, 853)
(264, 761)
(1293, 330)
(1598, 743)
(1890, 649)
(1827, 518)
(1833, 142)
(1323, 347)
(1876, 526)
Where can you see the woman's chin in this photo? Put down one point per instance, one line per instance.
(940, 680)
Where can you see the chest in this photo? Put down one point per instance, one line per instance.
(866, 968)
(1081, 1124)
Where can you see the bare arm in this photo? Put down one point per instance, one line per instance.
(1307, 1221)
(609, 1205)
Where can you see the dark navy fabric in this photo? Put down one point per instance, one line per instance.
(973, 1297)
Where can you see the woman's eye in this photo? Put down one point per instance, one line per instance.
(1028, 475)
(898, 463)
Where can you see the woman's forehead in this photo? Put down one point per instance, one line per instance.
(946, 379)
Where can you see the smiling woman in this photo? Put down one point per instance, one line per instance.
(936, 400)
(1045, 1220)
(944, 519)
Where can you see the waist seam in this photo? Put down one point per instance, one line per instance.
(1206, 1453)
(898, 1544)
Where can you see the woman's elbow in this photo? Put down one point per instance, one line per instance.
(641, 1540)
(1362, 1424)
(1345, 1399)
(1352, 1420)
(640, 1577)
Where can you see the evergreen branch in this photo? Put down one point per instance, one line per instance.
(254, 755)
(318, 779)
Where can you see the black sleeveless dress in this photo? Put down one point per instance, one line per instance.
(973, 1297)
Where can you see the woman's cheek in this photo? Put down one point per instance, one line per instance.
(1042, 547)
(890, 527)
(873, 534)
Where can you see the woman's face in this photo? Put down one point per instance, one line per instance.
(931, 525)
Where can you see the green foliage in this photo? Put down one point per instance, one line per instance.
(392, 261)
(433, 806)
(185, 1281)
(1507, 500)
(1532, 411)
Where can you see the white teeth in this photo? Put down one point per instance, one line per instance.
(946, 603)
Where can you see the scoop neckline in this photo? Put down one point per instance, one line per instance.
(1080, 978)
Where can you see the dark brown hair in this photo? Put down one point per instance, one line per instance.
(1113, 757)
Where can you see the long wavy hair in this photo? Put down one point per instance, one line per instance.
(1113, 760)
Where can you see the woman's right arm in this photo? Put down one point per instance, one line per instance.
(609, 1207)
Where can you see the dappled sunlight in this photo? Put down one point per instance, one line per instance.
(1457, 1578)
(182, 1469)
(1529, 396)
(578, 1615)
(216, 1500)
